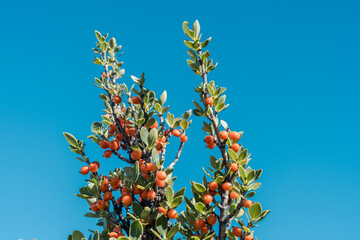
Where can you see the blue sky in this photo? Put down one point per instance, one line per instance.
(292, 73)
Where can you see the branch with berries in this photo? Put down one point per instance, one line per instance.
(138, 200)
(225, 197)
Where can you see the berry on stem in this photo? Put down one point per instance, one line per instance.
(84, 170)
(172, 214)
(226, 186)
(209, 101)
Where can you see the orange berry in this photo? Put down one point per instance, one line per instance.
(125, 191)
(103, 74)
(143, 194)
(226, 186)
(143, 169)
(213, 186)
(126, 200)
(212, 193)
(160, 183)
(101, 204)
(136, 155)
(112, 128)
(114, 181)
(151, 167)
(207, 199)
(163, 140)
(161, 175)
(84, 170)
(209, 139)
(159, 146)
(119, 136)
(237, 232)
(117, 99)
(233, 167)
(183, 138)
(155, 125)
(249, 237)
(97, 163)
(235, 147)
(107, 196)
(209, 101)
(223, 135)
(235, 136)
(204, 230)
(176, 132)
(151, 194)
(104, 187)
(247, 203)
(172, 214)
(136, 190)
(93, 167)
(211, 145)
(113, 235)
(146, 176)
(234, 195)
(113, 145)
(136, 100)
(104, 144)
(119, 200)
(212, 219)
(162, 210)
(94, 208)
(107, 153)
(199, 223)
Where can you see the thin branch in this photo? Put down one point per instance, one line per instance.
(122, 157)
(177, 155)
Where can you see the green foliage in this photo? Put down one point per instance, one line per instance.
(136, 128)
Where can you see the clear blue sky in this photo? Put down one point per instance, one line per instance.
(292, 72)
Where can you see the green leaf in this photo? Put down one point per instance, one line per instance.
(192, 54)
(145, 213)
(92, 215)
(152, 137)
(169, 194)
(136, 172)
(215, 163)
(137, 209)
(189, 44)
(156, 234)
(196, 28)
(161, 225)
(96, 235)
(71, 139)
(189, 204)
(198, 107)
(136, 230)
(144, 135)
(200, 207)
(97, 127)
(173, 230)
(232, 154)
(255, 210)
(187, 31)
(98, 36)
(242, 172)
(198, 187)
(205, 43)
(176, 201)
(254, 186)
(163, 98)
(112, 43)
(77, 235)
(194, 238)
